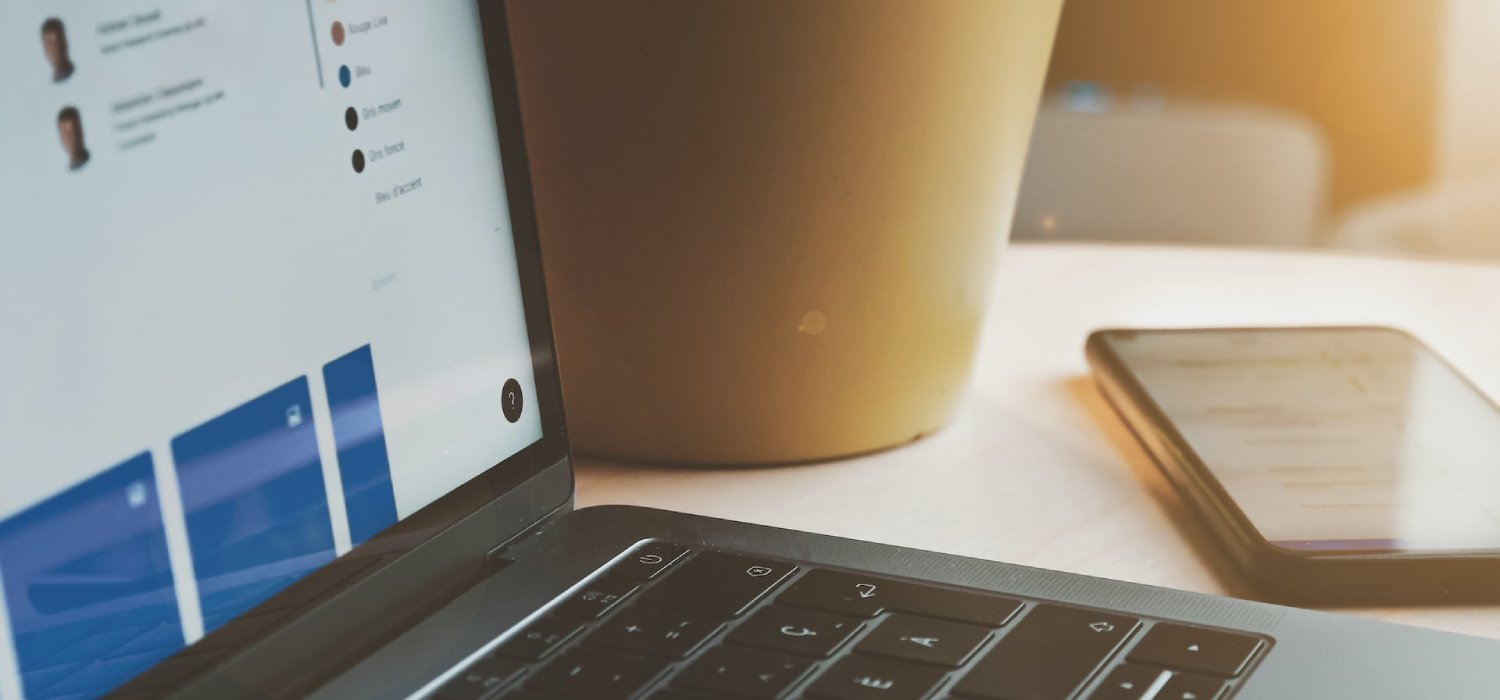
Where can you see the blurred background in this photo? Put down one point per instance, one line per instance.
(1369, 125)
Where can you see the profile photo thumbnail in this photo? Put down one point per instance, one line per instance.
(70, 133)
(55, 47)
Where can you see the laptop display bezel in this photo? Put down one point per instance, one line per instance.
(514, 470)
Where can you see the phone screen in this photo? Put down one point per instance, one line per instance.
(1330, 439)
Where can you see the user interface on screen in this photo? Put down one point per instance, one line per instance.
(1356, 439)
(258, 301)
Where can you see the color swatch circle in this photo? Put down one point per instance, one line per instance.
(359, 161)
(338, 33)
(345, 76)
(351, 118)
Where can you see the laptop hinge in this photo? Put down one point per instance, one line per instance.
(496, 558)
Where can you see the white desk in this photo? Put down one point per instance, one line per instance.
(1035, 469)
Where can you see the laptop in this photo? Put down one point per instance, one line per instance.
(282, 419)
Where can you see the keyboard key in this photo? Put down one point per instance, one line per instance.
(796, 631)
(866, 678)
(479, 679)
(715, 583)
(1052, 651)
(583, 673)
(596, 598)
(659, 632)
(925, 641)
(724, 671)
(867, 596)
(540, 639)
(1195, 649)
(1127, 682)
(1188, 686)
(961, 606)
(647, 561)
(836, 591)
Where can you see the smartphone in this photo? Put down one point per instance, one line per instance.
(1334, 465)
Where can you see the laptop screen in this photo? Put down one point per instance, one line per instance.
(259, 300)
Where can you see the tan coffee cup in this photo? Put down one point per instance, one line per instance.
(769, 226)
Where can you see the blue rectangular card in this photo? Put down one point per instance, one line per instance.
(88, 584)
(364, 468)
(257, 509)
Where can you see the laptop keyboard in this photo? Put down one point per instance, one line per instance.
(669, 623)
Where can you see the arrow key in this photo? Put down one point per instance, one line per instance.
(1196, 649)
(919, 639)
(1188, 686)
(1128, 682)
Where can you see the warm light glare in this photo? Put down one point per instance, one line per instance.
(1357, 124)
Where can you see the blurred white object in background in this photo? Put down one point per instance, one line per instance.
(1167, 170)
(1453, 218)
(1457, 213)
(1468, 92)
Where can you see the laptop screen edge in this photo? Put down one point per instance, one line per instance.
(424, 551)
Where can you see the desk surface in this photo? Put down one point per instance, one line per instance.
(1035, 469)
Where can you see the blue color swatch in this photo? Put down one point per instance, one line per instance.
(257, 510)
(89, 586)
(364, 468)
